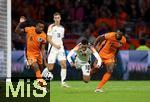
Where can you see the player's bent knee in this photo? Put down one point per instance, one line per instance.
(86, 79)
(35, 66)
(63, 66)
(50, 67)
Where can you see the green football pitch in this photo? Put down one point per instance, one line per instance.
(114, 91)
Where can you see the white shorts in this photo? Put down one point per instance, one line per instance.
(54, 54)
(85, 67)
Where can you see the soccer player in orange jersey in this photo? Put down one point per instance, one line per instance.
(35, 48)
(108, 46)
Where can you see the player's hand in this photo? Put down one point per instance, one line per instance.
(58, 46)
(98, 64)
(22, 19)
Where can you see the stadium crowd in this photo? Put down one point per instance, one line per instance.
(87, 19)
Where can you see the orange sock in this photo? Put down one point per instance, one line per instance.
(105, 78)
(38, 74)
(40, 79)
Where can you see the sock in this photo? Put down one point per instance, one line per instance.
(38, 74)
(105, 78)
(63, 75)
(39, 78)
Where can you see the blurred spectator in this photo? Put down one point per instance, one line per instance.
(103, 22)
(87, 35)
(100, 16)
(122, 16)
(147, 15)
(143, 45)
(132, 8)
(141, 29)
(50, 9)
(77, 16)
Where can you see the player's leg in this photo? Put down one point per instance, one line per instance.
(40, 63)
(50, 66)
(63, 73)
(51, 60)
(40, 80)
(86, 78)
(109, 69)
(35, 66)
(47, 71)
(107, 75)
(86, 72)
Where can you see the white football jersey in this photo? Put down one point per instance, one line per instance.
(57, 33)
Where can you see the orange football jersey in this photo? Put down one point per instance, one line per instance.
(34, 41)
(109, 46)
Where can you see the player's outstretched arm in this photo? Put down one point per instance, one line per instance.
(71, 53)
(18, 30)
(99, 40)
(96, 55)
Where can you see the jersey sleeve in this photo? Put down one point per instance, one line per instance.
(92, 49)
(109, 35)
(71, 53)
(27, 29)
(95, 53)
(123, 40)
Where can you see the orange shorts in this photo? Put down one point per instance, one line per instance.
(34, 58)
(109, 60)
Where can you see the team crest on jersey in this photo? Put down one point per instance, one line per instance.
(40, 39)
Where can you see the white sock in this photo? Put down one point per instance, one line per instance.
(63, 75)
(45, 71)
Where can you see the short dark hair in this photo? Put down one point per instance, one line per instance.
(84, 42)
(57, 13)
(41, 22)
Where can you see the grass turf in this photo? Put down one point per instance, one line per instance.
(115, 91)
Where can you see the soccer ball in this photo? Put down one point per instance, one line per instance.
(49, 76)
